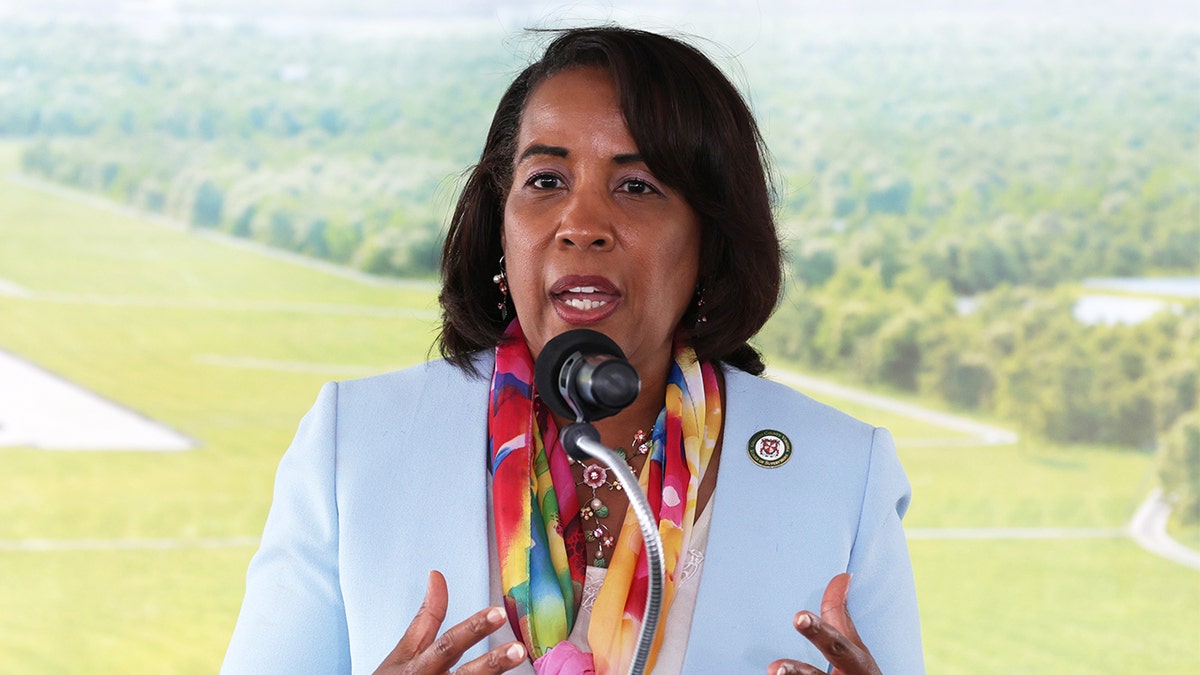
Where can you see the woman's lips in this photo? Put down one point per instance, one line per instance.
(582, 300)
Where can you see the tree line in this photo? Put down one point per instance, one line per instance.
(344, 150)
(943, 187)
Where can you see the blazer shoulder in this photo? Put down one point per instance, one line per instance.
(438, 374)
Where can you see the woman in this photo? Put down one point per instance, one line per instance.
(622, 188)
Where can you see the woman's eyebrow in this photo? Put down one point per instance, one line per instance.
(539, 149)
(558, 151)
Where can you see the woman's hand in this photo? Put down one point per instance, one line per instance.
(834, 634)
(422, 652)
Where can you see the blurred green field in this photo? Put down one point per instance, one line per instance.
(1055, 606)
(230, 346)
(958, 482)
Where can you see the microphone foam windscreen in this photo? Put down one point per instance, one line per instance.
(552, 357)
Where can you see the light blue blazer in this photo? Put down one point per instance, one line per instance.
(387, 479)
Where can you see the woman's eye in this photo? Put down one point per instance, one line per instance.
(638, 186)
(545, 181)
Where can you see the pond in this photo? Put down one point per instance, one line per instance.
(1179, 287)
(1098, 308)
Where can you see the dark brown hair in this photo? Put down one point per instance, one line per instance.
(696, 134)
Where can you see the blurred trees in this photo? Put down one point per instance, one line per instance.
(943, 187)
(1179, 469)
(946, 190)
(341, 148)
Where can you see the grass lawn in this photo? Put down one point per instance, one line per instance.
(958, 483)
(230, 348)
(224, 345)
(1067, 606)
(1024, 485)
(165, 611)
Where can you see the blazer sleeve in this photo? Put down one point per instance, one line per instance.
(293, 619)
(883, 599)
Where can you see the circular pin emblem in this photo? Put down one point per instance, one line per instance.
(769, 448)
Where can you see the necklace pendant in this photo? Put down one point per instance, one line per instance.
(594, 476)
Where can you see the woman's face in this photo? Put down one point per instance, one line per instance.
(591, 237)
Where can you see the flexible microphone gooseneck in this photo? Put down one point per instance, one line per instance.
(583, 374)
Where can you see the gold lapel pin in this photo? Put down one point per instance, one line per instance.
(769, 448)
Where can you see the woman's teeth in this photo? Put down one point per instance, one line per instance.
(583, 303)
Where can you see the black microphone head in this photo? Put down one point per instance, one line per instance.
(557, 352)
(615, 384)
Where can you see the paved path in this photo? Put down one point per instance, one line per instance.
(1148, 526)
(39, 409)
(1016, 533)
(12, 290)
(1149, 529)
(984, 433)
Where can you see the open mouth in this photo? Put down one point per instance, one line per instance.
(584, 300)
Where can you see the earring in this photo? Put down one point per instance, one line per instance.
(700, 316)
(501, 281)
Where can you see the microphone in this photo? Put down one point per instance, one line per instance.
(583, 375)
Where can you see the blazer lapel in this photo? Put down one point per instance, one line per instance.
(420, 504)
(729, 554)
(743, 615)
(461, 424)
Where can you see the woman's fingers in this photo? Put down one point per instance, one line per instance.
(843, 654)
(790, 667)
(449, 646)
(833, 633)
(834, 611)
(498, 660)
(422, 650)
(425, 625)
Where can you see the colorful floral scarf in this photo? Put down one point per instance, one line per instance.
(539, 540)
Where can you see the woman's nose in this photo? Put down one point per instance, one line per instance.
(586, 223)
